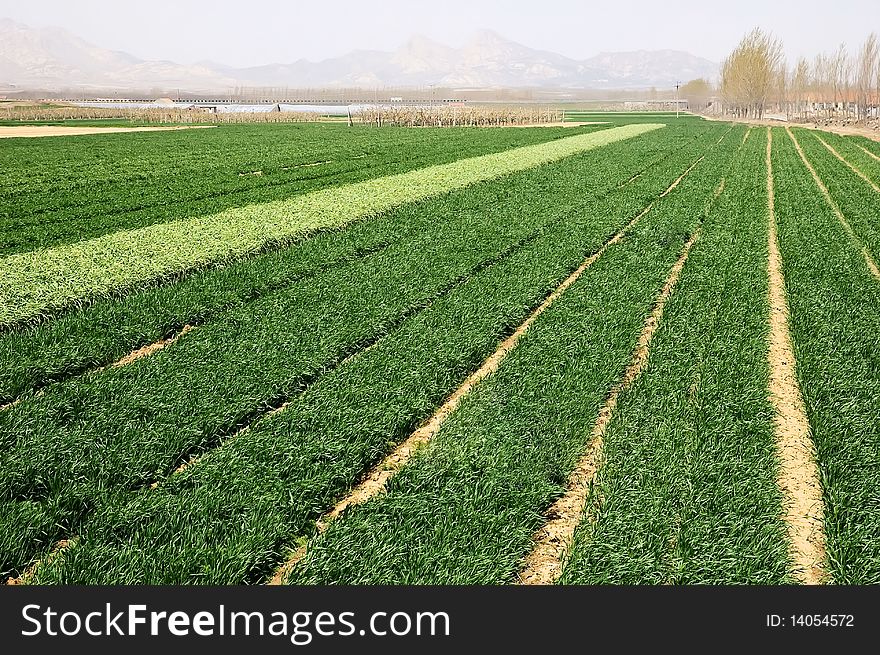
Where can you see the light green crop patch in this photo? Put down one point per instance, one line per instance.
(42, 281)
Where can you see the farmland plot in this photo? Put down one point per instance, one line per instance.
(309, 453)
(49, 280)
(835, 304)
(109, 329)
(465, 510)
(500, 359)
(60, 192)
(687, 492)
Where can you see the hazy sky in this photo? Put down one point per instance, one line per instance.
(250, 32)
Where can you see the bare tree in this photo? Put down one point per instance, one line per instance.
(821, 83)
(800, 88)
(751, 73)
(781, 89)
(866, 73)
(841, 75)
(697, 93)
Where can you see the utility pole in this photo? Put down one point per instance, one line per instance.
(677, 85)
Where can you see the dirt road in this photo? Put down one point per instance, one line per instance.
(15, 131)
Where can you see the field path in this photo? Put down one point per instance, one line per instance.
(798, 473)
(869, 259)
(32, 131)
(543, 566)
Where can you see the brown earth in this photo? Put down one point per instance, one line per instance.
(20, 131)
(798, 475)
(27, 576)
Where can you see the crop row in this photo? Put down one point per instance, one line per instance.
(128, 426)
(857, 151)
(858, 202)
(460, 328)
(230, 516)
(835, 319)
(57, 191)
(108, 329)
(465, 508)
(36, 282)
(687, 493)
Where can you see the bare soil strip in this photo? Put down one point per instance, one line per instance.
(798, 476)
(140, 353)
(629, 181)
(851, 167)
(869, 260)
(15, 131)
(148, 349)
(719, 189)
(867, 152)
(543, 565)
(28, 575)
(376, 479)
(675, 184)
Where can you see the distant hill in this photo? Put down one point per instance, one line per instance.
(54, 58)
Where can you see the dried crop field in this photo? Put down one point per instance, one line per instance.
(641, 351)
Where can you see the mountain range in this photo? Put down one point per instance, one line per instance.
(53, 58)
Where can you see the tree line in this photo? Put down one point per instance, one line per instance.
(755, 79)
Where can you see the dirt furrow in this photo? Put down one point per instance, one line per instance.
(851, 167)
(276, 410)
(676, 183)
(798, 476)
(869, 259)
(149, 349)
(20, 131)
(28, 575)
(867, 152)
(544, 564)
(376, 479)
(133, 356)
